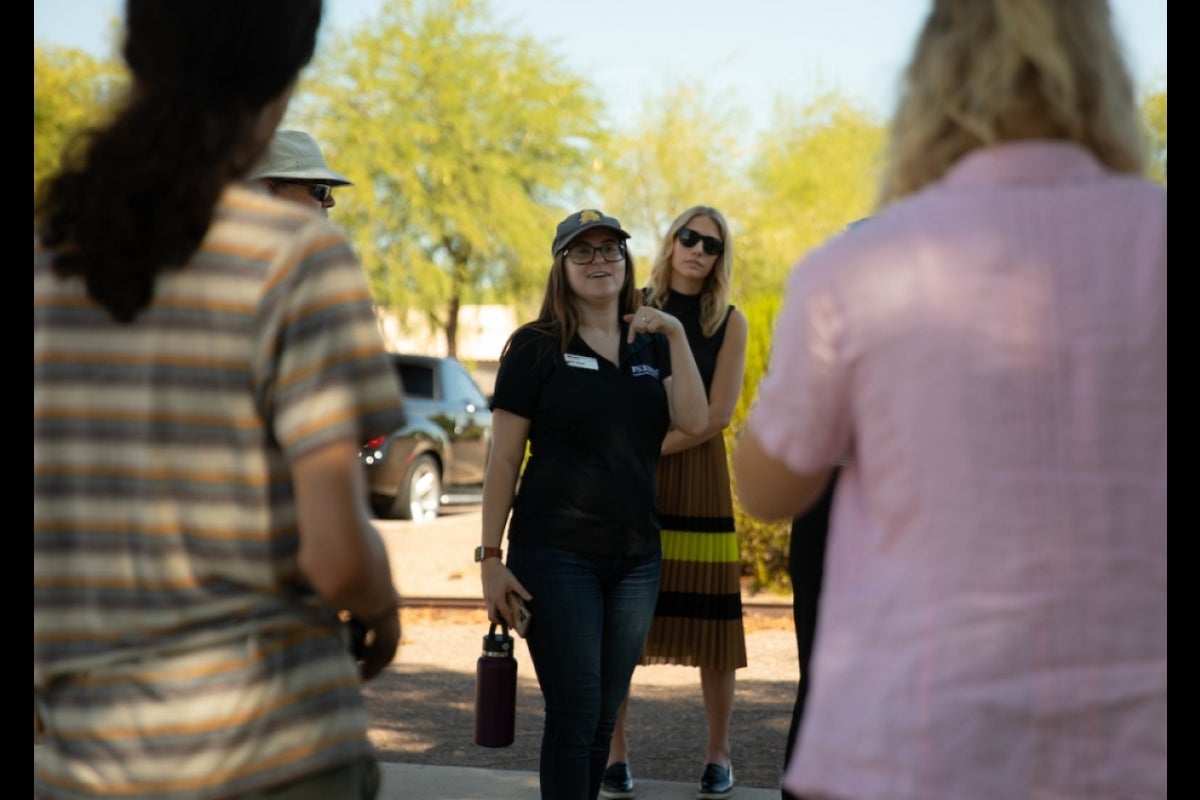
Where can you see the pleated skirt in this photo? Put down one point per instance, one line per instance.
(698, 618)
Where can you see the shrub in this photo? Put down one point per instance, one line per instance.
(764, 544)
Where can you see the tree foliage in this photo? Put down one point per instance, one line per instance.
(467, 143)
(71, 91)
(1154, 127)
(463, 141)
(684, 150)
(816, 170)
(764, 543)
(813, 172)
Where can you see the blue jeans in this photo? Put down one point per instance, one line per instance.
(590, 618)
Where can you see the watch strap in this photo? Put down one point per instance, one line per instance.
(483, 551)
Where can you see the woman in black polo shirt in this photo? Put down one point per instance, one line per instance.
(591, 385)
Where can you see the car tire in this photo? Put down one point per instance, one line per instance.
(420, 496)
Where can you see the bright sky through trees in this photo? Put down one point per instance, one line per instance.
(749, 50)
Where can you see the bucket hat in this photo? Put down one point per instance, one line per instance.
(294, 155)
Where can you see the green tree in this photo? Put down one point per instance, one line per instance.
(71, 90)
(815, 171)
(764, 543)
(684, 150)
(461, 138)
(1154, 126)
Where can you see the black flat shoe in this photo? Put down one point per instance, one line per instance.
(617, 783)
(716, 783)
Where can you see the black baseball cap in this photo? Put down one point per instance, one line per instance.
(582, 221)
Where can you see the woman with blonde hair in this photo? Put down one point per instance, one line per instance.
(698, 617)
(989, 354)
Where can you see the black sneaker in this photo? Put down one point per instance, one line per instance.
(617, 783)
(716, 783)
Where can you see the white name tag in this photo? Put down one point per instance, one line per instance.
(582, 362)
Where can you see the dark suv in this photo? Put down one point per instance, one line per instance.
(439, 456)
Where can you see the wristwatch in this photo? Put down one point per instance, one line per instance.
(483, 552)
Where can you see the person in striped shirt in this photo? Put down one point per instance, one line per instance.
(206, 361)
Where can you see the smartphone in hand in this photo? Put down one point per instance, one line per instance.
(520, 612)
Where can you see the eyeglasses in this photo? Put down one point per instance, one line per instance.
(319, 191)
(584, 253)
(712, 245)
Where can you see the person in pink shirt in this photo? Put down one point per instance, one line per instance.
(989, 356)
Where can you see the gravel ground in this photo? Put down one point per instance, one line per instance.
(422, 707)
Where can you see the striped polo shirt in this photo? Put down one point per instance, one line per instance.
(178, 649)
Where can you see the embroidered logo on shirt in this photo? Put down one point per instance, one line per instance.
(645, 369)
(582, 362)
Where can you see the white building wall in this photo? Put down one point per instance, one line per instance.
(482, 331)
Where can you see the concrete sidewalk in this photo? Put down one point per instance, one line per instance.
(424, 782)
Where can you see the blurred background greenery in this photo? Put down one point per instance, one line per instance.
(467, 143)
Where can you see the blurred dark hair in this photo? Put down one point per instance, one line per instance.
(137, 195)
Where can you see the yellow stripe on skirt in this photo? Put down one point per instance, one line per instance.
(698, 618)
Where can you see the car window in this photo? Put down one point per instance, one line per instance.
(416, 380)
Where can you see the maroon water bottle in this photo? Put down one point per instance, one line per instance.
(496, 690)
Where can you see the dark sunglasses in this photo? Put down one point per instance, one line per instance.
(319, 191)
(712, 245)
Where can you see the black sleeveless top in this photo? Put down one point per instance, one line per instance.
(686, 308)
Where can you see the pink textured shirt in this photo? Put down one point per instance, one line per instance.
(992, 354)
